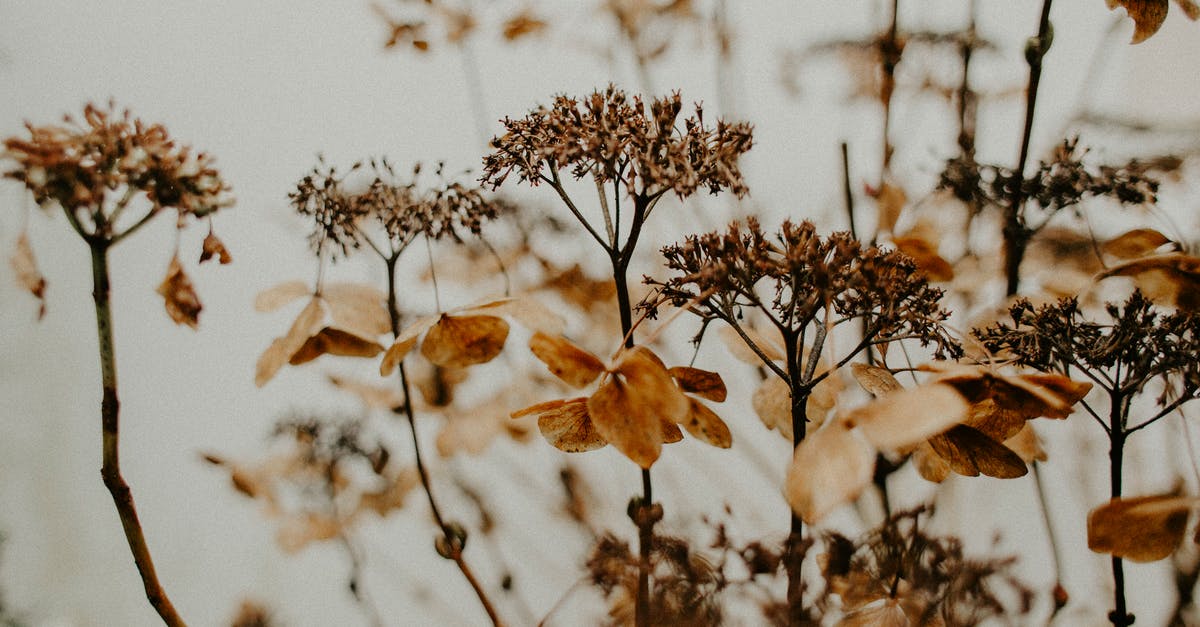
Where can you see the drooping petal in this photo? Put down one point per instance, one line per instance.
(704, 424)
(702, 383)
(460, 341)
(1142, 529)
(574, 365)
(905, 418)
(971, 453)
(829, 468)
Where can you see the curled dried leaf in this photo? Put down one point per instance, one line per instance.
(829, 468)
(30, 278)
(703, 383)
(629, 410)
(334, 341)
(460, 341)
(307, 324)
(566, 425)
(574, 365)
(214, 247)
(1142, 529)
(179, 297)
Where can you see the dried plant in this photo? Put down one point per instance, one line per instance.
(804, 286)
(111, 175)
(1138, 350)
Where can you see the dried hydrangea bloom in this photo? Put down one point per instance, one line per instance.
(613, 137)
(94, 170)
(344, 219)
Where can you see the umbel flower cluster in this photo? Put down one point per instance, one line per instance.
(613, 137)
(94, 169)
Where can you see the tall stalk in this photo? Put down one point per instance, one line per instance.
(110, 469)
(1016, 234)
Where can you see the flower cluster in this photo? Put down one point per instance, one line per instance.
(94, 169)
(615, 138)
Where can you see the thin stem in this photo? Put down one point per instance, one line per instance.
(1051, 537)
(1016, 234)
(794, 563)
(110, 470)
(452, 543)
(890, 51)
(1120, 616)
(556, 183)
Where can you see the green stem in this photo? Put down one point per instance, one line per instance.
(110, 470)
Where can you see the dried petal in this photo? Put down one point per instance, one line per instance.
(460, 341)
(1142, 529)
(1148, 16)
(25, 267)
(629, 409)
(1172, 279)
(704, 424)
(404, 343)
(929, 464)
(1135, 243)
(702, 383)
(1027, 445)
(280, 295)
(772, 401)
(522, 24)
(566, 424)
(890, 199)
(213, 246)
(282, 348)
(182, 303)
(905, 418)
(994, 421)
(358, 308)
(875, 380)
(575, 366)
(334, 341)
(971, 453)
(829, 468)
(530, 312)
(390, 496)
(926, 256)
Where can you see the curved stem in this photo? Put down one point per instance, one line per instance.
(110, 471)
(453, 545)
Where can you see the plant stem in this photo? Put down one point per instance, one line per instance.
(110, 470)
(1016, 234)
(1120, 616)
(794, 559)
(644, 521)
(452, 544)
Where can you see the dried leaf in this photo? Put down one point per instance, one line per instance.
(926, 257)
(460, 341)
(1142, 529)
(1171, 279)
(182, 303)
(1066, 389)
(929, 464)
(521, 25)
(772, 401)
(994, 421)
(702, 383)
(358, 308)
(830, 467)
(405, 343)
(1190, 9)
(704, 424)
(282, 348)
(1148, 16)
(971, 453)
(1031, 395)
(530, 312)
(575, 366)
(334, 341)
(566, 425)
(280, 295)
(1135, 243)
(629, 409)
(213, 246)
(907, 417)
(671, 432)
(875, 380)
(30, 278)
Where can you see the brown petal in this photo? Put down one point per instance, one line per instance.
(630, 408)
(994, 421)
(1172, 279)
(702, 383)
(25, 267)
(1027, 445)
(929, 464)
(772, 401)
(390, 496)
(1068, 391)
(1190, 9)
(1135, 243)
(522, 24)
(213, 246)
(182, 303)
(890, 200)
(1148, 16)
(706, 425)
(907, 417)
(574, 365)
(1142, 529)
(375, 396)
(358, 308)
(460, 341)
(671, 433)
(282, 348)
(566, 425)
(530, 312)
(275, 297)
(875, 380)
(970, 453)
(334, 341)
(829, 468)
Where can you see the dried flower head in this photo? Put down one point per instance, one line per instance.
(345, 219)
(95, 169)
(612, 137)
